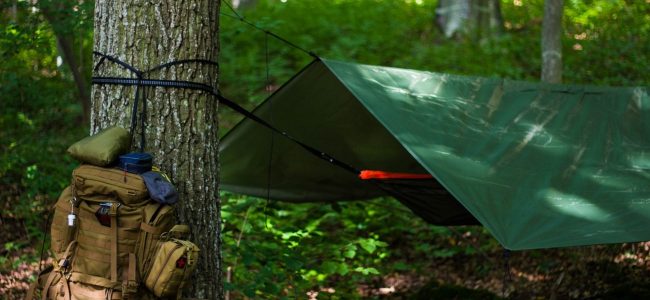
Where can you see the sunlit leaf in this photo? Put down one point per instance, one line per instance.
(368, 244)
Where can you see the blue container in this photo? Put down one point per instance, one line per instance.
(135, 162)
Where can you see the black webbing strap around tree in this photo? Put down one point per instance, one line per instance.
(140, 76)
(141, 81)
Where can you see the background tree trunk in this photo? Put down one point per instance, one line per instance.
(478, 18)
(552, 41)
(181, 130)
(243, 4)
(13, 11)
(56, 13)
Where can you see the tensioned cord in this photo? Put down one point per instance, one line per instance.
(142, 81)
(239, 17)
(267, 88)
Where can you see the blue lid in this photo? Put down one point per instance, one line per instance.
(135, 162)
(141, 157)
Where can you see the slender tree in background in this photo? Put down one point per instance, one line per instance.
(57, 13)
(243, 3)
(479, 18)
(181, 125)
(13, 11)
(552, 41)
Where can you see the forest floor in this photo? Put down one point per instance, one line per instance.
(594, 272)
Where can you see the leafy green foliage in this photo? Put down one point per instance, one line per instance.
(279, 249)
(273, 248)
(612, 38)
(607, 42)
(39, 119)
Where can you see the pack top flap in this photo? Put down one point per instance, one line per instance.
(96, 184)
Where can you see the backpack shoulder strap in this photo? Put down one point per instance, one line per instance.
(42, 275)
(129, 282)
(54, 276)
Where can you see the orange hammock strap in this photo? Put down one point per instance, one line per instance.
(374, 174)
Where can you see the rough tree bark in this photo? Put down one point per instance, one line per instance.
(181, 125)
(552, 41)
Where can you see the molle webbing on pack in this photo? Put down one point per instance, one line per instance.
(61, 234)
(157, 218)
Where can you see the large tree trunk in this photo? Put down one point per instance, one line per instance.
(552, 41)
(181, 130)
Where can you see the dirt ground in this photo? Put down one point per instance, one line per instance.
(594, 272)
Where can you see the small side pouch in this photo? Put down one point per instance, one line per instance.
(172, 266)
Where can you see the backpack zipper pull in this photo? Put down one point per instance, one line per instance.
(65, 264)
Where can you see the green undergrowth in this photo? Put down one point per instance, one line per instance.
(274, 248)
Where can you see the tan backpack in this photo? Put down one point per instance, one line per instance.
(104, 235)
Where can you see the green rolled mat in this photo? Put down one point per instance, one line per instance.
(103, 148)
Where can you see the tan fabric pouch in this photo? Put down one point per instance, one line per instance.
(172, 265)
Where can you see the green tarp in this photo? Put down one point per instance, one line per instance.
(538, 165)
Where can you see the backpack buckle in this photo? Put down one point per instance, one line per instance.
(105, 212)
